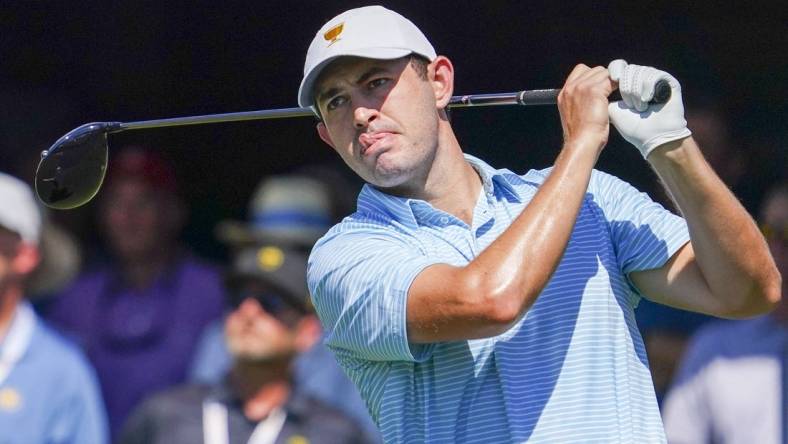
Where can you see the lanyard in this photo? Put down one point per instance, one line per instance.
(216, 429)
(17, 339)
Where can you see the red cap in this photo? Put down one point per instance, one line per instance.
(143, 164)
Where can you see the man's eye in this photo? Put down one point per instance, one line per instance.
(377, 82)
(335, 103)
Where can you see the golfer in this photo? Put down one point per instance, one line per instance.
(472, 304)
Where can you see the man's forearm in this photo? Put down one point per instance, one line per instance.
(518, 264)
(484, 297)
(730, 251)
(494, 290)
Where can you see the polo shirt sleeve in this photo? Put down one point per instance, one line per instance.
(359, 283)
(645, 235)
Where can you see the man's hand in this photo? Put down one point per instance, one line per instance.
(583, 107)
(642, 124)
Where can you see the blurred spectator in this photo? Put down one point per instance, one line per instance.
(271, 323)
(138, 314)
(48, 392)
(731, 386)
(291, 210)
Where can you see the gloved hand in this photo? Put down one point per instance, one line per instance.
(645, 125)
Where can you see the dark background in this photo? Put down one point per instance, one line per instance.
(67, 63)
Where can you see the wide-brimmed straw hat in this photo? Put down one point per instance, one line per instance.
(287, 210)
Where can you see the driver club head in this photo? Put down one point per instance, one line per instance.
(72, 170)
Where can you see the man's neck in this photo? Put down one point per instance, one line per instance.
(141, 272)
(262, 387)
(9, 300)
(451, 184)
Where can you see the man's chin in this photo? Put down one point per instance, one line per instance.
(389, 176)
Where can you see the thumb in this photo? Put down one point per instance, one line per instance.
(616, 69)
(618, 112)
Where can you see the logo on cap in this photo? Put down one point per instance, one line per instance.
(332, 35)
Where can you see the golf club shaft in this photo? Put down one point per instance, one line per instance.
(532, 97)
(528, 97)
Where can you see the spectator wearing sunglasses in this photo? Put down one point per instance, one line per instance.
(732, 384)
(258, 400)
(292, 211)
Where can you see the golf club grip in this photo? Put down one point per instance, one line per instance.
(662, 94)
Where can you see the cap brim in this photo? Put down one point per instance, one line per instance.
(305, 93)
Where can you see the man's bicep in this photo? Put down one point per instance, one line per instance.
(432, 302)
(447, 303)
(678, 283)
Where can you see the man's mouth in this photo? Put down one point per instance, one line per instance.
(373, 142)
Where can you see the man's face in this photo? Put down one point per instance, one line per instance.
(9, 242)
(17, 259)
(255, 332)
(136, 219)
(381, 117)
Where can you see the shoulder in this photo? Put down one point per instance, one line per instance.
(201, 279)
(56, 348)
(200, 268)
(359, 230)
(172, 415)
(184, 400)
(54, 360)
(725, 337)
(87, 282)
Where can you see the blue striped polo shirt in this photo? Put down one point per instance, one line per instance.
(573, 369)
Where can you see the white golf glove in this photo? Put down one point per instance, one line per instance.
(645, 125)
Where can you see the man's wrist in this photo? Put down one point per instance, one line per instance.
(588, 144)
(580, 152)
(675, 151)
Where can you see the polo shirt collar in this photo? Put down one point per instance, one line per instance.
(411, 212)
(494, 181)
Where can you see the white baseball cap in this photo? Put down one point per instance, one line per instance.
(372, 32)
(19, 210)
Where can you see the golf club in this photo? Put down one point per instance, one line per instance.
(72, 170)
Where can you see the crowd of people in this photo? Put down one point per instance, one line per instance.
(150, 343)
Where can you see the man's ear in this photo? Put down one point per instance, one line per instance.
(322, 131)
(441, 76)
(26, 259)
(308, 332)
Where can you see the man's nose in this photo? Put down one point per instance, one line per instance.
(363, 116)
